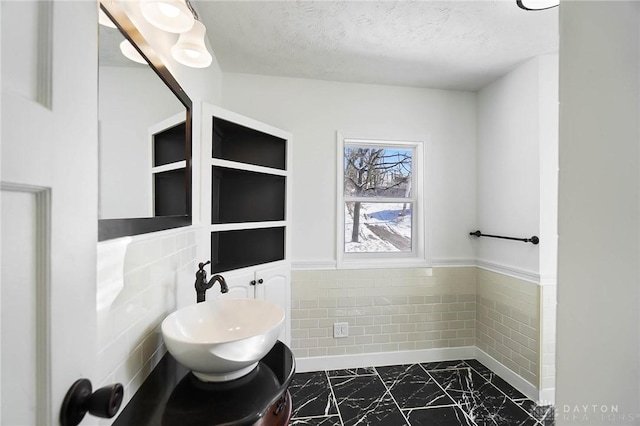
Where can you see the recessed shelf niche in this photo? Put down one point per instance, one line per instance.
(169, 171)
(168, 146)
(245, 196)
(236, 249)
(241, 144)
(170, 193)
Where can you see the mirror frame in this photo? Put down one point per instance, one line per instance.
(114, 228)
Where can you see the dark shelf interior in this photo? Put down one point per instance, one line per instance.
(170, 193)
(169, 146)
(243, 196)
(234, 142)
(247, 247)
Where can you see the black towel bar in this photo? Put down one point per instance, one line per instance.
(532, 240)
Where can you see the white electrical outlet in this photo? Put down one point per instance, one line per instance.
(340, 329)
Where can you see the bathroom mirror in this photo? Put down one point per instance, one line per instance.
(144, 136)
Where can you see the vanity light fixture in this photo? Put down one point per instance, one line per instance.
(131, 53)
(190, 49)
(178, 16)
(537, 4)
(103, 19)
(173, 16)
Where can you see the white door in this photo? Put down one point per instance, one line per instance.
(273, 284)
(48, 205)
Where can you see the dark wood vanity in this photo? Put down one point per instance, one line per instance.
(172, 395)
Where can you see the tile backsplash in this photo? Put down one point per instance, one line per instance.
(386, 309)
(508, 326)
(139, 281)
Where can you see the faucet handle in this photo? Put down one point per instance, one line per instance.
(202, 265)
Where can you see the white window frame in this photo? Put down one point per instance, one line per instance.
(418, 256)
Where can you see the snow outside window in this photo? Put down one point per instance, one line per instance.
(380, 202)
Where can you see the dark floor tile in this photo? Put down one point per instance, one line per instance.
(457, 383)
(444, 365)
(545, 414)
(311, 395)
(505, 387)
(412, 387)
(481, 400)
(492, 377)
(360, 371)
(480, 368)
(506, 413)
(316, 421)
(357, 387)
(439, 416)
(364, 400)
(408, 395)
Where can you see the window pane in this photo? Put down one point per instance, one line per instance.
(380, 228)
(377, 172)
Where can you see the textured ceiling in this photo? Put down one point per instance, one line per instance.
(460, 45)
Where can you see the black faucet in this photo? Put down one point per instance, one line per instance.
(202, 285)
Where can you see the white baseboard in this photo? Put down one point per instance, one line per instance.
(377, 359)
(337, 362)
(540, 396)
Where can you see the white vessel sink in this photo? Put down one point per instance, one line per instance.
(222, 340)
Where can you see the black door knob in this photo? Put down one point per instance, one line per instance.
(105, 402)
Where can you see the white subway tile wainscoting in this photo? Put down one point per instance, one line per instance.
(387, 310)
(139, 282)
(398, 316)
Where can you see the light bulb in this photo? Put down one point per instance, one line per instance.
(103, 19)
(168, 10)
(131, 53)
(191, 53)
(173, 16)
(190, 50)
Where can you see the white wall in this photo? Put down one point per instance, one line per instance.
(516, 166)
(598, 361)
(548, 112)
(131, 101)
(314, 110)
(517, 194)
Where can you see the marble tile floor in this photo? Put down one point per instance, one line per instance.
(449, 393)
